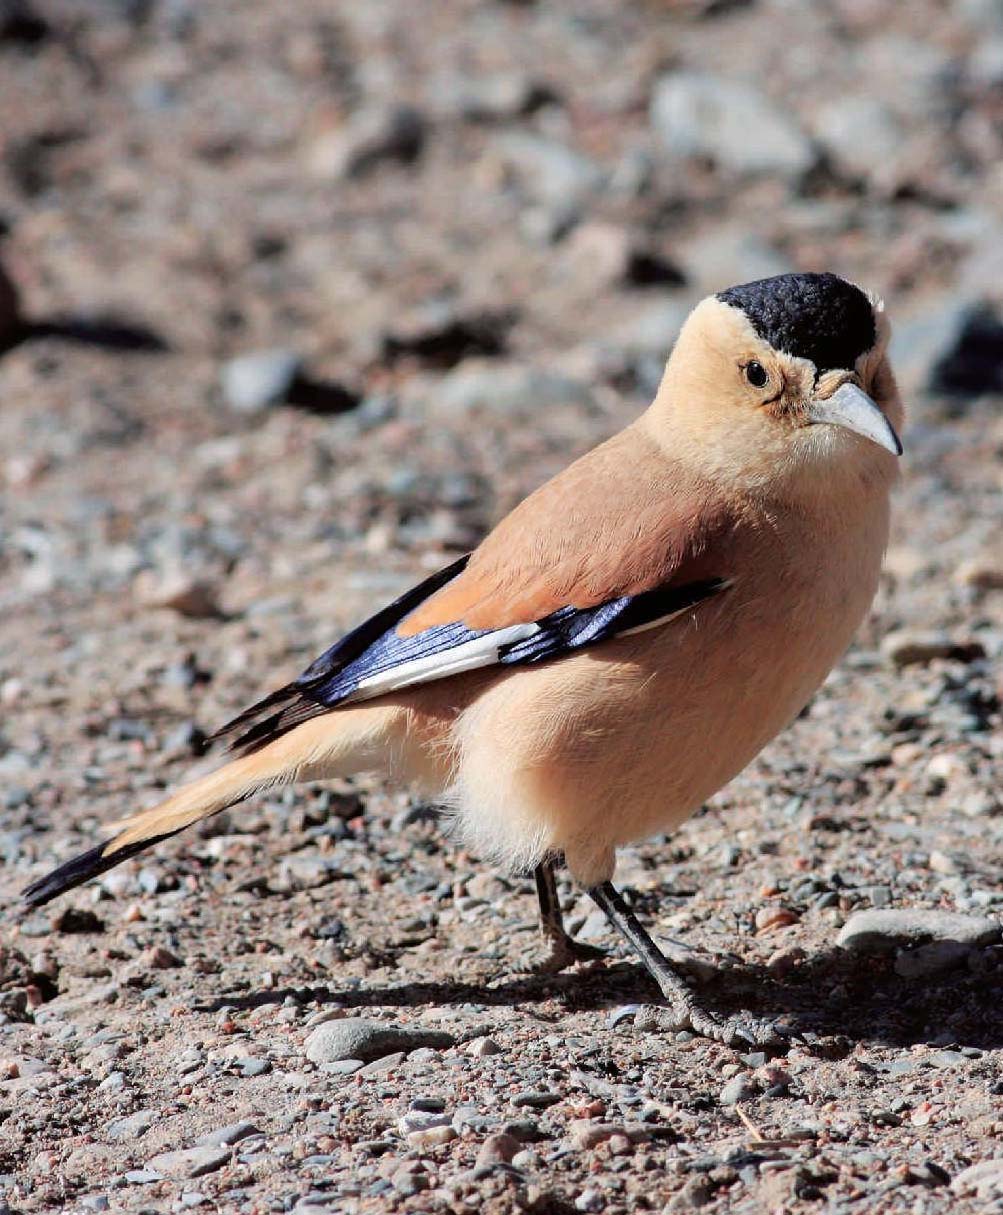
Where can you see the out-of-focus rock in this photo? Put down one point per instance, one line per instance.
(734, 125)
(981, 573)
(860, 133)
(984, 1179)
(441, 335)
(919, 343)
(252, 382)
(986, 14)
(973, 362)
(11, 321)
(21, 23)
(611, 255)
(653, 329)
(932, 959)
(374, 134)
(497, 1149)
(909, 647)
(922, 71)
(192, 597)
(507, 388)
(984, 67)
(547, 170)
(731, 254)
(739, 1088)
(490, 98)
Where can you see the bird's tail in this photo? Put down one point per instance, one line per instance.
(335, 744)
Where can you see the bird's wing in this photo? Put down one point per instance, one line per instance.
(621, 521)
(615, 544)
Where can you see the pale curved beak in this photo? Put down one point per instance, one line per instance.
(851, 408)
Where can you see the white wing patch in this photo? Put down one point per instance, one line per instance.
(654, 624)
(467, 656)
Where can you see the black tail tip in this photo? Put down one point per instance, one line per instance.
(82, 868)
(75, 871)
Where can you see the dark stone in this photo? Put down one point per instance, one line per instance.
(19, 23)
(78, 920)
(321, 396)
(440, 337)
(647, 269)
(974, 363)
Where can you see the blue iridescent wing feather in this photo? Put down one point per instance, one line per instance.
(374, 658)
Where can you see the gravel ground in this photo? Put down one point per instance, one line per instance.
(297, 301)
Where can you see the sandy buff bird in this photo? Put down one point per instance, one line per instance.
(631, 635)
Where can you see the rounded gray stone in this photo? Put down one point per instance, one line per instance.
(360, 1038)
(189, 1162)
(884, 931)
(698, 114)
(252, 382)
(738, 1088)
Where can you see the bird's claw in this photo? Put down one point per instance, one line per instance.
(737, 1030)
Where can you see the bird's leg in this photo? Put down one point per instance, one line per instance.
(741, 1028)
(562, 949)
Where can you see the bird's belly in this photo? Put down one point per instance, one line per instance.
(627, 740)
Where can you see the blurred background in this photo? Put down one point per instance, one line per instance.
(283, 285)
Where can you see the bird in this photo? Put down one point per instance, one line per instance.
(628, 638)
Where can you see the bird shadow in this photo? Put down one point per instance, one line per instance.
(832, 998)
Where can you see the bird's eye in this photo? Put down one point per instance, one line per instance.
(756, 374)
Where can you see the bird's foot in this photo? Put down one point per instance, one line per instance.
(741, 1029)
(682, 1009)
(562, 951)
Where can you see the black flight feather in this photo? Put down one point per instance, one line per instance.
(82, 868)
(293, 704)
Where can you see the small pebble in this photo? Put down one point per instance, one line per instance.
(497, 1149)
(590, 1200)
(482, 1048)
(252, 382)
(161, 958)
(584, 1135)
(253, 1067)
(194, 598)
(433, 1136)
(535, 1100)
(225, 1135)
(738, 1088)
(422, 1120)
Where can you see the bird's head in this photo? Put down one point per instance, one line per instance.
(786, 375)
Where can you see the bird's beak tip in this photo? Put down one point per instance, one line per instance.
(852, 409)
